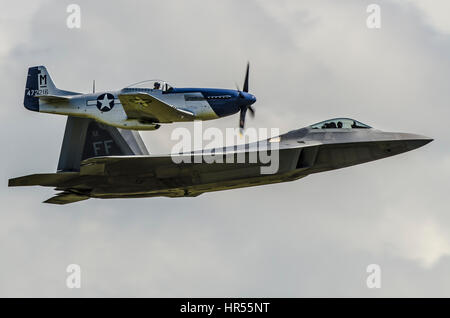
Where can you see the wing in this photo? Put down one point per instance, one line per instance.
(144, 106)
(43, 179)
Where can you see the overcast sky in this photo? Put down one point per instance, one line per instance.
(310, 61)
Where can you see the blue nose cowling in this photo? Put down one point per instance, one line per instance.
(249, 98)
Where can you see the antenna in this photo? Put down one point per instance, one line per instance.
(93, 87)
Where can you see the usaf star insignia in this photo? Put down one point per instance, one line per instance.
(105, 102)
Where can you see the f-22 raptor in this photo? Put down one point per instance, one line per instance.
(98, 161)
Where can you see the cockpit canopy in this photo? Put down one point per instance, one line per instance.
(151, 84)
(337, 123)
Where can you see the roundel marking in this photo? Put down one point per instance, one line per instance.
(105, 102)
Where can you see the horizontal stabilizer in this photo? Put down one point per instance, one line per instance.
(53, 98)
(42, 179)
(65, 198)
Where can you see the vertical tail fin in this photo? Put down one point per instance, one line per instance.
(39, 82)
(85, 138)
(30, 102)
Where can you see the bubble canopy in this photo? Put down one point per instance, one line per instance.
(152, 84)
(346, 123)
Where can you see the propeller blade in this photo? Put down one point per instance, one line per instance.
(242, 117)
(252, 111)
(245, 88)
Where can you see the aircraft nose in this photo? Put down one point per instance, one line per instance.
(410, 141)
(417, 141)
(251, 98)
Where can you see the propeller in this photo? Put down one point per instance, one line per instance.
(247, 101)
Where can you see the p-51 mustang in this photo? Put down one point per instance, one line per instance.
(142, 106)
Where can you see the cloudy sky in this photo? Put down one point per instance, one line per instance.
(310, 61)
